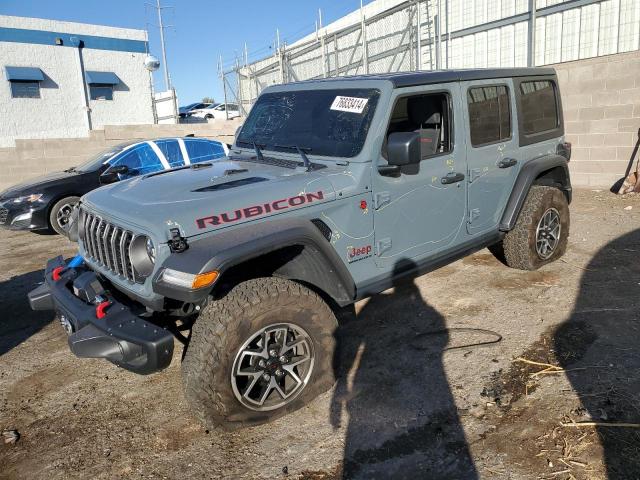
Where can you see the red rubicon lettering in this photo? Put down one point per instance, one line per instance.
(227, 218)
(252, 211)
(276, 205)
(314, 196)
(295, 201)
(204, 221)
(257, 210)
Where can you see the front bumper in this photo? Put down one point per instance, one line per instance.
(23, 216)
(119, 336)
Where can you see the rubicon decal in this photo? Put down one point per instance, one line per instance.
(358, 253)
(258, 210)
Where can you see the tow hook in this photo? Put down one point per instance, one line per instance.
(177, 243)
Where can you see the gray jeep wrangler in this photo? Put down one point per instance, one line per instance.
(333, 191)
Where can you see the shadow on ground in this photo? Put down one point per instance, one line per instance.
(17, 321)
(599, 346)
(403, 422)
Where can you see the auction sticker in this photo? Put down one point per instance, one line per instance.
(349, 104)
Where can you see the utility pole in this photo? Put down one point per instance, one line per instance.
(167, 83)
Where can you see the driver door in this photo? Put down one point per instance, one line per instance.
(422, 209)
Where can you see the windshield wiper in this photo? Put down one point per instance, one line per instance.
(259, 155)
(70, 170)
(300, 150)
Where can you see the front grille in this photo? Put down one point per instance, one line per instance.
(107, 245)
(3, 215)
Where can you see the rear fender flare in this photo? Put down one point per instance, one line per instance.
(529, 175)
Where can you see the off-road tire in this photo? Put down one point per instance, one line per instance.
(53, 213)
(222, 328)
(519, 245)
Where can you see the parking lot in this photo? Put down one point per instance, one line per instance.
(437, 380)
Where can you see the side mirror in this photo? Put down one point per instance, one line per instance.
(112, 175)
(403, 148)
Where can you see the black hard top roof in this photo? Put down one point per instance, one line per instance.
(410, 79)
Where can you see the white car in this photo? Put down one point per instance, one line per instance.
(218, 111)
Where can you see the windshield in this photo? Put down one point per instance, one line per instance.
(99, 159)
(321, 122)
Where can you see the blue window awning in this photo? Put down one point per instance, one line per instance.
(24, 74)
(102, 78)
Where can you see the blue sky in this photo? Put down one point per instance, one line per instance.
(201, 31)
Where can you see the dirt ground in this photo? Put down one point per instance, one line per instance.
(433, 379)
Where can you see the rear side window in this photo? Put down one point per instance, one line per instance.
(171, 151)
(203, 150)
(489, 114)
(539, 106)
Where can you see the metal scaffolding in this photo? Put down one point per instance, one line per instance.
(440, 34)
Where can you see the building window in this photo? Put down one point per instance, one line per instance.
(99, 91)
(25, 89)
(489, 115)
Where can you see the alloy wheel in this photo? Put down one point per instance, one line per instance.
(272, 367)
(548, 233)
(64, 215)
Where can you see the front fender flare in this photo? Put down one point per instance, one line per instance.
(317, 263)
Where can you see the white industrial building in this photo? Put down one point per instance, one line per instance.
(63, 79)
(400, 35)
(593, 45)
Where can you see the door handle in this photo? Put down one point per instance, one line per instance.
(452, 177)
(506, 162)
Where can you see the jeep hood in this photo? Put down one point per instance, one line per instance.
(199, 200)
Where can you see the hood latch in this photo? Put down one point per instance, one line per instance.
(177, 243)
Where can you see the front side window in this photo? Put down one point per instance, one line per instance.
(25, 89)
(539, 106)
(99, 91)
(321, 122)
(427, 115)
(203, 150)
(140, 160)
(171, 151)
(489, 114)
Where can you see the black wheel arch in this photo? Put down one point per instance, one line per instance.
(549, 170)
(294, 249)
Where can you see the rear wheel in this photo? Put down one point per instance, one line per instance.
(541, 232)
(262, 351)
(61, 214)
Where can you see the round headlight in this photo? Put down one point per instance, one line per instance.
(143, 255)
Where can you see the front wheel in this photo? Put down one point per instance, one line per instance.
(262, 351)
(541, 232)
(60, 214)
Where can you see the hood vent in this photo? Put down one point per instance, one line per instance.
(232, 184)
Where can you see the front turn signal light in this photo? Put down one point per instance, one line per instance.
(204, 279)
(188, 280)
